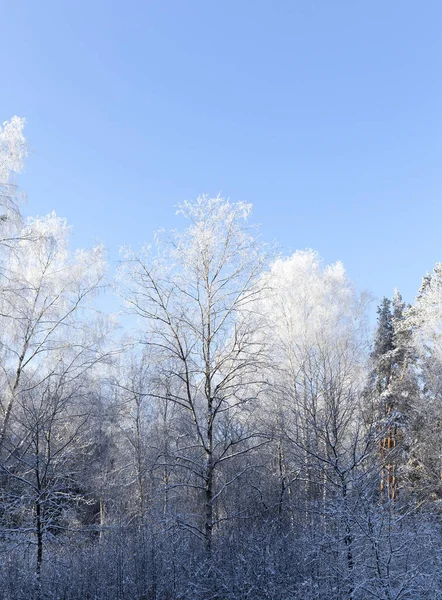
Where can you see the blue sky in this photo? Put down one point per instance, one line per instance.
(326, 115)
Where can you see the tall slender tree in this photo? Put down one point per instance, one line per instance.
(193, 294)
(394, 390)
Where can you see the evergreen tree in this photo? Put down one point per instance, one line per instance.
(383, 346)
(394, 386)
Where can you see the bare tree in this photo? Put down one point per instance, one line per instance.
(42, 305)
(193, 292)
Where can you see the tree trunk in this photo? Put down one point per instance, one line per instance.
(208, 524)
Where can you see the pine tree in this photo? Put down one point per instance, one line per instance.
(394, 385)
(383, 345)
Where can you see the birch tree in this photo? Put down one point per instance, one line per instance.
(316, 322)
(13, 151)
(47, 292)
(192, 291)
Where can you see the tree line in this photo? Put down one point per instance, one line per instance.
(240, 434)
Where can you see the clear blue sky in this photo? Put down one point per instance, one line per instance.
(326, 115)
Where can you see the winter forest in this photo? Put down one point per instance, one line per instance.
(235, 432)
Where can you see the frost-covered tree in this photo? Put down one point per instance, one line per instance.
(44, 460)
(51, 339)
(383, 346)
(192, 291)
(46, 293)
(394, 393)
(424, 320)
(317, 327)
(13, 151)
